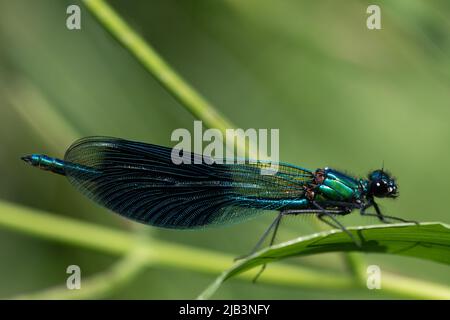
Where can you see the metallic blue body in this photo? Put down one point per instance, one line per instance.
(140, 181)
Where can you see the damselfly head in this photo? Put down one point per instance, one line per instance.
(382, 185)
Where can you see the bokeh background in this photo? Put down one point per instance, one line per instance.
(341, 95)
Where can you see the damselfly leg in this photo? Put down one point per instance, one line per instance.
(274, 234)
(335, 224)
(389, 217)
(320, 212)
(382, 217)
(275, 225)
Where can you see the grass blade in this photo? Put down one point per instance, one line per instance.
(429, 241)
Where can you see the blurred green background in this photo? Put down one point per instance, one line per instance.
(342, 96)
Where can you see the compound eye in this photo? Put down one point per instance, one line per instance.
(380, 188)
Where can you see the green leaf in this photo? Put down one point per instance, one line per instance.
(430, 240)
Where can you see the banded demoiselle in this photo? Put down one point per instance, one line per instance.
(140, 182)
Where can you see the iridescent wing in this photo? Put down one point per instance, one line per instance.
(141, 182)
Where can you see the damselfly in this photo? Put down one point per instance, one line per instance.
(140, 182)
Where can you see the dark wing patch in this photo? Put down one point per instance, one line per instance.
(140, 181)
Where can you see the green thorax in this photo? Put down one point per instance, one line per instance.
(337, 186)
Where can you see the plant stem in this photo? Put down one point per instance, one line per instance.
(156, 65)
(355, 265)
(69, 231)
(49, 226)
(100, 285)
